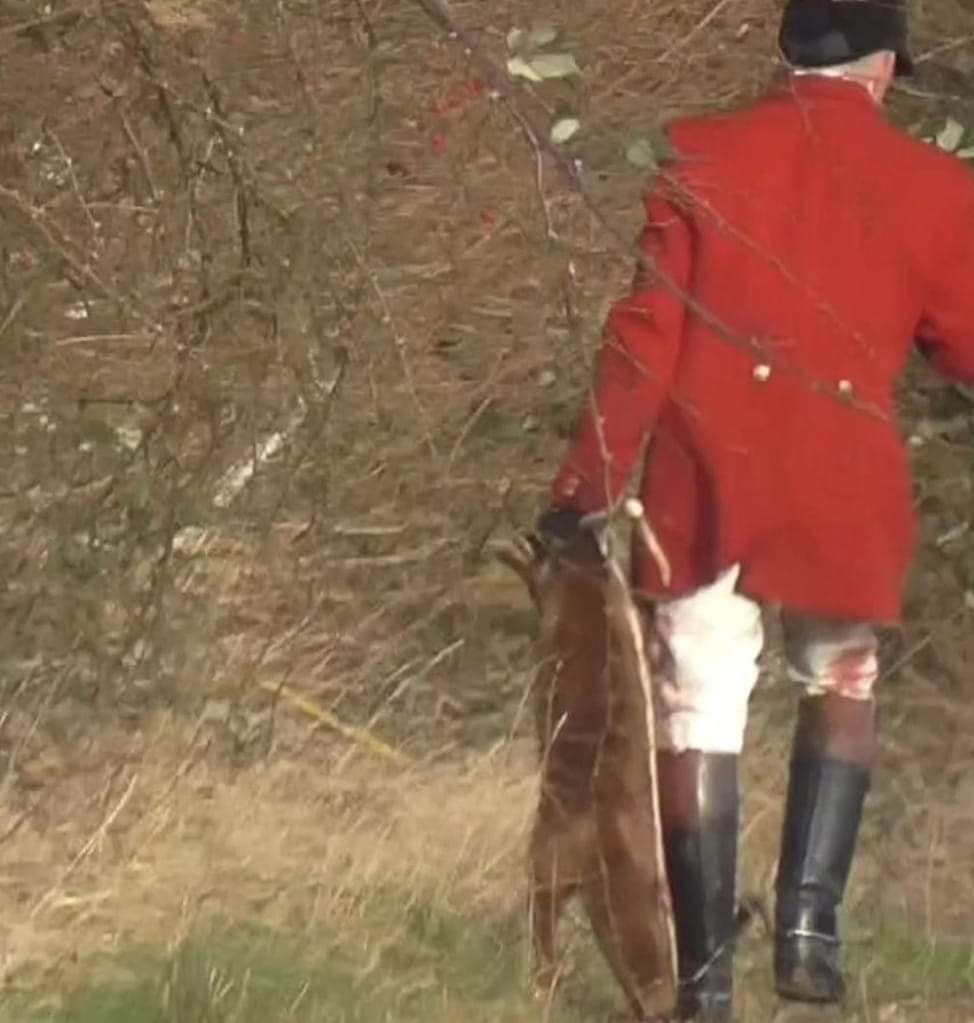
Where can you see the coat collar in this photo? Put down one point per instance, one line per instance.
(822, 88)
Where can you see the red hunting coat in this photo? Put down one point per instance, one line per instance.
(825, 243)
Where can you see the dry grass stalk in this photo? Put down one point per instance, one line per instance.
(136, 373)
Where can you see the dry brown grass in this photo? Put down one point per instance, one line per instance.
(167, 301)
(142, 838)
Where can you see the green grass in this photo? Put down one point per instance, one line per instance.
(397, 961)
(404, 964)
(903, 963)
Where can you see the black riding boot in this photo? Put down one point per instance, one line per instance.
(822, 816)
(700, 808)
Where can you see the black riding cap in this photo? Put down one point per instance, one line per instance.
(819, 33)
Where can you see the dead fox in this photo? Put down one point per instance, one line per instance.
(596, 831)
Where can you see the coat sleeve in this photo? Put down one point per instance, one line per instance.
(634, 367)
(946, 331)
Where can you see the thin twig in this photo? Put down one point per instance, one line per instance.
(698, 28)
(19, 302)
(52, 692)
(242, 189)
(341, 529)
(910, 90)
(922, 643)
(15, 826)
(467, 427)
(436, 659)
(390, 560)
(481, 408)
(372, 43)
(79, 339)
(147, 64)
(85, 850)
(761, 352)
(401, 344)
(51, 20)
(366, 24)
(75, 187)
(52, 235)
(142, 155)
(539, 152)
(954, 44)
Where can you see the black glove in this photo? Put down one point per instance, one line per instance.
(561, 531)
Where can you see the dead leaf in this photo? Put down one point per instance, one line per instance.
(563, 129)
(520, 68)
(542, 35)
(641, 153)
(950, 136)
(514, 39)
(555, 65)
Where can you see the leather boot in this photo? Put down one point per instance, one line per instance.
(823, 812)
(700, 810)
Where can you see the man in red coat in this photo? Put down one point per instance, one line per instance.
(795, 251)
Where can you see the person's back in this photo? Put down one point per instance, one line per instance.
(821, 240)
(796, 250)
(810, 202)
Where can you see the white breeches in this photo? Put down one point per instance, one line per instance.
(706, 649)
